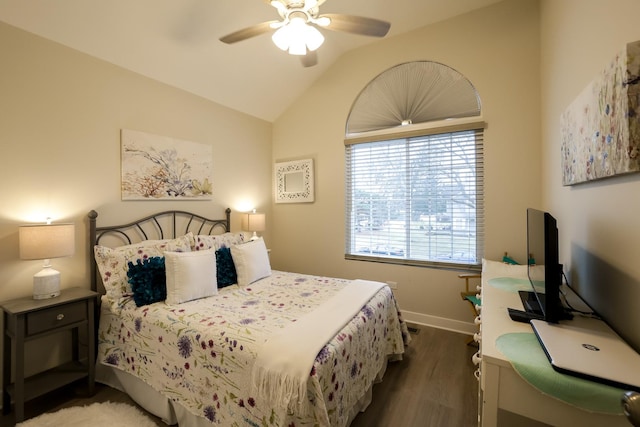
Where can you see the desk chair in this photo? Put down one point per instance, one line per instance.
(472, 296)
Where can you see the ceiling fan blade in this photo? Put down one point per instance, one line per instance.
(246, 33)
(357, 25)
(310, 59)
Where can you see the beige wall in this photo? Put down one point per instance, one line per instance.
(598, 221)
(60, 118)
(497, 49)
(61, 113)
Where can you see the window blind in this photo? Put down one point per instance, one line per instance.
(416, 200)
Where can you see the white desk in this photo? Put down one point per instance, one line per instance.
(501, 386)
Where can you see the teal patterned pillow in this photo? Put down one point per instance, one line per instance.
(226, 270)
(148, 281)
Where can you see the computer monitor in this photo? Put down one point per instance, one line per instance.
(545, 273)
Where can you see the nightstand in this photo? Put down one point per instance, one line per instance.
(26, 319)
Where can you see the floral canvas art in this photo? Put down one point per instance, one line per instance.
(159, 168)
(601, 128)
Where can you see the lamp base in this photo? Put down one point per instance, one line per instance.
(46, 283)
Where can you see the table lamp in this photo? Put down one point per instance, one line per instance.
(46, 242)
(253, 221)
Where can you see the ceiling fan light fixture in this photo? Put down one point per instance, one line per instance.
(281, 37)
(313, 37)
(298, 47)
(297, 36)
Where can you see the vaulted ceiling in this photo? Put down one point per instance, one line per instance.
(176, 41)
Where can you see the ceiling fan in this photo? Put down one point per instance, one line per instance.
(297, 32)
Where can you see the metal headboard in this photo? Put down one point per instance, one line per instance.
(162, 225)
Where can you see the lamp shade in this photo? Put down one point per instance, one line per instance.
(46, 241)
(253, 221)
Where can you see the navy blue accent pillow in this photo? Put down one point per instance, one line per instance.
(148, 280)
(226, 269)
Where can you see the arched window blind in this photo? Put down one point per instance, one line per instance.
(415, 193)
(413, 92)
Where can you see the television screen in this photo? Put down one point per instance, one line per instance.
(544, 268)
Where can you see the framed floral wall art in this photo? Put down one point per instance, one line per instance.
(601, 128)
(162, 168)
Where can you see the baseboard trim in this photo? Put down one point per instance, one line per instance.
(440, 322)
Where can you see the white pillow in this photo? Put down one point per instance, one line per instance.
(190, 275)
(251, 260)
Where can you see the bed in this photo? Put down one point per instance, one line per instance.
(255, 347)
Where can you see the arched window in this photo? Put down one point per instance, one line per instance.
(414, 168)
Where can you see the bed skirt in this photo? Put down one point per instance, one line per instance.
(172, 413)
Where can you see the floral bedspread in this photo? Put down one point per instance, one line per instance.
(200, 353)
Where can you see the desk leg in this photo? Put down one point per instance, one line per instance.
(6, 369)
(91, 347)
(491, 387)
(17, 350)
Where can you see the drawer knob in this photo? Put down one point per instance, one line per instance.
(60, 316)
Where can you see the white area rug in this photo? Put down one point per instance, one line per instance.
(106, 414)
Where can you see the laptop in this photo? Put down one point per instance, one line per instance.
(597, 354)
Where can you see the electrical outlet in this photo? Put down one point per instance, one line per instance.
(393, 285)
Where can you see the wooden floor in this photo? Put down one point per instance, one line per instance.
(433, 386)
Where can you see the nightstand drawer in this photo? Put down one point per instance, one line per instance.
(56, 317)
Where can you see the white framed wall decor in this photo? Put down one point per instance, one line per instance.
(294, 181)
